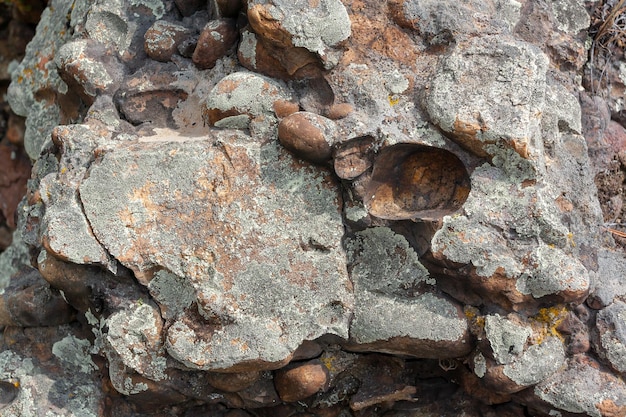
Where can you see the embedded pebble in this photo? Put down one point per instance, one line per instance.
(308, 135)
(243, 94)
(301, 381)
(216, 39)
(90, 67)
(163, 38)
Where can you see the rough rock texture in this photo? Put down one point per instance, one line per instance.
(312, 208)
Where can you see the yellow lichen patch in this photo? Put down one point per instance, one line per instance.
(546, 321)
(393, 99)
(570, 239)
(476, 321)
(328, 363)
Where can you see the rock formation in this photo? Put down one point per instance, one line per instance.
(312, 208)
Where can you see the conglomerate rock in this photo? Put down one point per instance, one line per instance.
(324, 207)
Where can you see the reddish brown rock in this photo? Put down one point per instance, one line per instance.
(339, 110)
(28, 301)
(354, 157)
(308, 135)
(417, 182)
(216, 39)
(300, 381)
(163, 38)
(15, 130)
(232, 382)
(284, 108)
(14, 173)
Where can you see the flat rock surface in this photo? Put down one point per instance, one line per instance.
(219, 214)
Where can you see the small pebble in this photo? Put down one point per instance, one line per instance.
(308, 135)
(216, 39)
(301, 381)
(162, 39)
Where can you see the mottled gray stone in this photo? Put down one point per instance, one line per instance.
(12, 259)
(37, 73)
(611, 324)
(571, 15)
(506, 338)
(133, 343)
(244, 95)
(505, 223)
(582, 387)
(490, 89)
(66, 385)
(316, 27)
(218, 214)
(396, 309)
(611, 278)
(437, 20)
(536, 363)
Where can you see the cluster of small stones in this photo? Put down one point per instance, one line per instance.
(310, 208)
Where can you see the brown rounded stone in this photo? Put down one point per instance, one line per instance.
(28, 301)
(354, 157)
(284, 108)
(301, 381)
(411, 182)
(162, 39)
(339, 111)
(233, 382)
(215, 40)
(308, 135)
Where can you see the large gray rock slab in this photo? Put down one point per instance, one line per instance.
(583, 387)
(253, 233)
(396, 307)
(611, 327)
(490, 89)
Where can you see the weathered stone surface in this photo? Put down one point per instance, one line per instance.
(513, 360)
(441, 22)
(316, 27)
(150, 95)
(489, 90)
(202, 260)
(610, 283)
(240, 97)
(611, 328)
(585, 388)
(89, 68)
(215, 40)
(389, 282)
(495, 216)
(308, 135)
(163, 38)
(232, 198)
(37, 74)
(57, 378)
